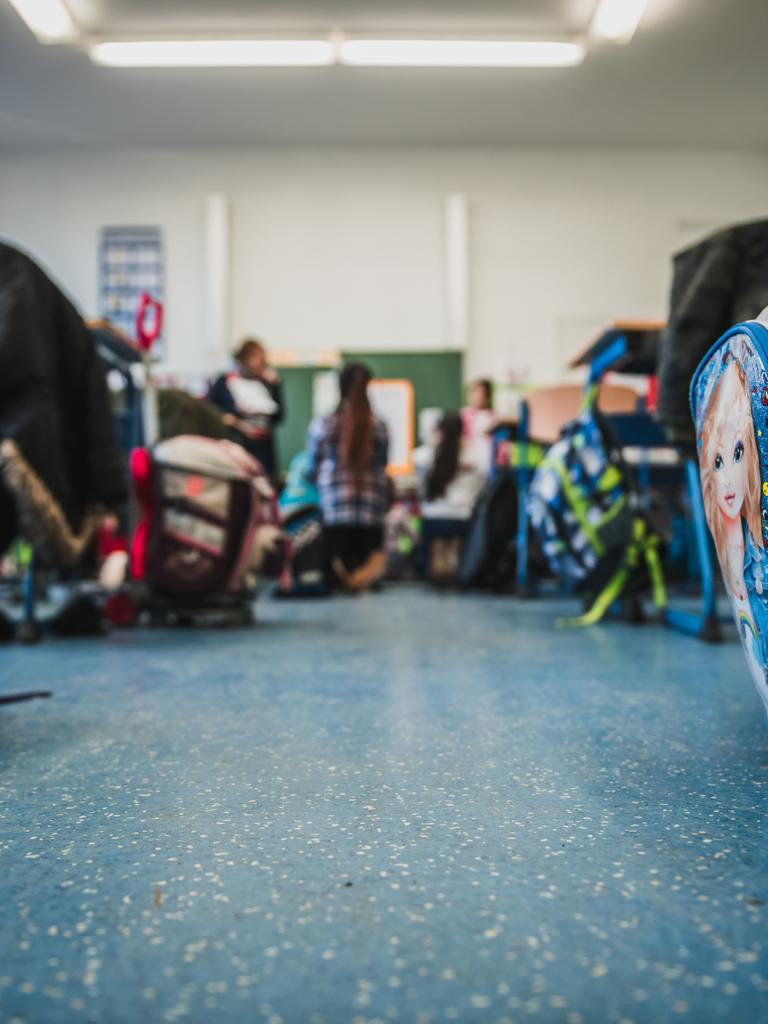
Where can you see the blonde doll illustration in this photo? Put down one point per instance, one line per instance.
(730, 477)
(732, 487)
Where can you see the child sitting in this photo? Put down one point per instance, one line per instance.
(453, 473)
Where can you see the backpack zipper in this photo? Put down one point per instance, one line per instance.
(757, 333)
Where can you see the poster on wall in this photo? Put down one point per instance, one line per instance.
(325, 393)
(392, 401)
(130, 263)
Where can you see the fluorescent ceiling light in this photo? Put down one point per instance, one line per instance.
(615, 21)
(459, 53)
(50, 20)
(208, 53)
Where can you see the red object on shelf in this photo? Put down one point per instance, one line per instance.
(147, 334)
(652, 398)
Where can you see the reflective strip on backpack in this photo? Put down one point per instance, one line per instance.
(613, 511)
(644, 544)
(590, 396)
(658, 589)
(611, 592)
(578, 505)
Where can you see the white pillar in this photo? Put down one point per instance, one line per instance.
(217, 280)
(457, 270)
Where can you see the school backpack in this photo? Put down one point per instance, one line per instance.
(299, 504)
(299, 491)
(402, 532)
(488, 555)
(729, 403)
(209, 521)
(305, 573)
(583, 508)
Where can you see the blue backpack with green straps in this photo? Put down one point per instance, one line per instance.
(584, 510)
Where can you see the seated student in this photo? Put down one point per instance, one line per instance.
(453, 474)
(347, 459)
(478, 416)
(251, 399)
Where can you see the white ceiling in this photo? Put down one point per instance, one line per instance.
(695, 74)
(121, 16)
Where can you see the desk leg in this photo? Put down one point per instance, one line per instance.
(522, 581)
(704, 625)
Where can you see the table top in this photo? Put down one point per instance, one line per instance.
(637, 355)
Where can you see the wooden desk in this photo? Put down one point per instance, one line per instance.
(626, 346)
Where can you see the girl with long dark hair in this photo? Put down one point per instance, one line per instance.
(347, 457)
(453, 472)
(445, 463)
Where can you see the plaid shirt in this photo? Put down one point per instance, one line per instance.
(342, 502)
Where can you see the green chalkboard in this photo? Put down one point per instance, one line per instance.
(437, 379)
(298, 383)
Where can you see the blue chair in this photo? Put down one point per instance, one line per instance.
(632, 348)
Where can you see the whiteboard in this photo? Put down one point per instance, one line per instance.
(392, 401)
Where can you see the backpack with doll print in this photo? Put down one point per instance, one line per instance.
(729, 402)
(584, 511)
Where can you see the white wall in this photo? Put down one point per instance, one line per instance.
(344, 248)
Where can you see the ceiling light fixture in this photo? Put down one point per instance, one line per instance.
(49, 20)
(465, 53)
(615, 21)
(203, 53)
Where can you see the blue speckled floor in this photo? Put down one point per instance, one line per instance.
(407, 807)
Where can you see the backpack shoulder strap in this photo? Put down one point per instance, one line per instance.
(644, 546)
(591, 391)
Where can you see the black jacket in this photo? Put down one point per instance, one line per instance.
(716, 283)
(262, 448)
(54, 402)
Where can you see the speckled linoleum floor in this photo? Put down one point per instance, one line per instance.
(408, 807)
